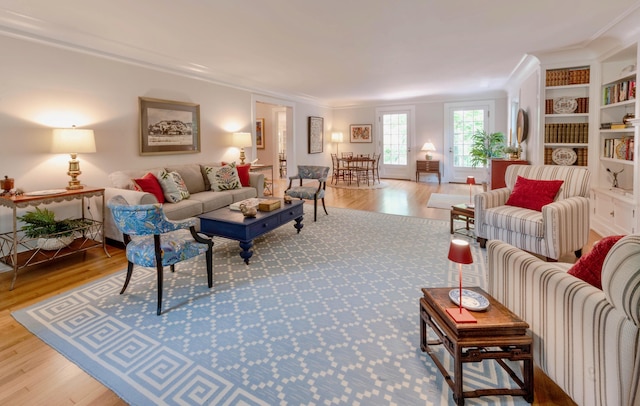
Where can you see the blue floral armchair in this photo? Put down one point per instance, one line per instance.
(158, 241)
(314, 193)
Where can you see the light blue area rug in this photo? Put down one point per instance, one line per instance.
(325, 317)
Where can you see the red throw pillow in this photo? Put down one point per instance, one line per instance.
(589, 266)
(149, 183)
(243, 174)
(533, 194)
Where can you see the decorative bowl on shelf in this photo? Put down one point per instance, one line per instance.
(565, 105)
(564, 156)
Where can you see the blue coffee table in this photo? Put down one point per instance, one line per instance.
(232, 224)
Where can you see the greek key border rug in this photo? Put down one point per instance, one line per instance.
(325, 317)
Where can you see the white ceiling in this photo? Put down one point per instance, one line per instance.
(334, 52)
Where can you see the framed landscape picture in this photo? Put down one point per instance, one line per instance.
(316, 131)
(260, 133)
(168, 127)
(360, 133)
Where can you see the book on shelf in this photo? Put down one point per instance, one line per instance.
(619, 92)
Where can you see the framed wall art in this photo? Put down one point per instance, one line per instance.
(316, 135)
(168, 127)
(260, 133)
(360, 133)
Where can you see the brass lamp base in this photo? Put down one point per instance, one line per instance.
(74, 172)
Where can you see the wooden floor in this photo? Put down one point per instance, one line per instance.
(31, 373)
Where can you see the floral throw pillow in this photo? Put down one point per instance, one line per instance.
(173, 186)
(223, 178)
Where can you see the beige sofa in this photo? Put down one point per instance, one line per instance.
(585, 339)
(201, 199)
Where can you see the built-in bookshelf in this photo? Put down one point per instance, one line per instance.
(566, 118)
(616, 180)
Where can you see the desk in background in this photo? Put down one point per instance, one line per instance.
(430, 166)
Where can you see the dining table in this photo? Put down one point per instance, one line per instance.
(358, 167)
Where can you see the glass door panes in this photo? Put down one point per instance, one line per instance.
(395, 139)
(465, 124)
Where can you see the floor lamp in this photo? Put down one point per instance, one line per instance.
(470, 181)
(337, 137)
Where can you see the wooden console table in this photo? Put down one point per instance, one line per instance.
(430, 166)
(19, 251)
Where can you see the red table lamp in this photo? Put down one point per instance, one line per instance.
(460, 253)
(470, 181)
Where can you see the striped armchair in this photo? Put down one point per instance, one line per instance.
(585, 339)
(561, 227)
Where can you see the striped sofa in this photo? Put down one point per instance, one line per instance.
(585, 339)
(561, 227)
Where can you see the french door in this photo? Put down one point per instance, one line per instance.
(396, 128)
(462, 120)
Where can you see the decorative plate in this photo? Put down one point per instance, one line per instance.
(45, 192)
(470, 300)
(564, 156)
(621, 150)
(564, 105)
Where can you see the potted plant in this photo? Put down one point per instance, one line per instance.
(511, 151)
(486, 146)
(52, 234)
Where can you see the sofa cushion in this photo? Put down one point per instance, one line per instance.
(149, 183)
(173, 186)
(191, 175)
(223, 178)
(589, 266)
(243, 174)
(515, 219)
(182, 209)
(213, 200)
(533, 194)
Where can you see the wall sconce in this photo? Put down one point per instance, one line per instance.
(428, 147)
(242, 140)
(73, 141)
(337, 137)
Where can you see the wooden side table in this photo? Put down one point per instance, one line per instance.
(430, 166)
(463, 213)
(498, 335)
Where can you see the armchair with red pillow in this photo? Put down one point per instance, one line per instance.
(544, 209)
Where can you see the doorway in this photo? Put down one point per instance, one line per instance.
(277, 118)
(396, 129)
(462, 120)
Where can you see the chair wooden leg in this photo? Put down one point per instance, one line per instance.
(324, 207)
(128, 278)
(209, 257)
(159, 271)
(315, 209)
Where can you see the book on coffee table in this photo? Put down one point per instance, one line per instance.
(253, 202)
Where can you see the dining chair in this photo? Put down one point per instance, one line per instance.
(152, 240)
(318, 173)
(375, 168)
(338, 170)
(282, 161)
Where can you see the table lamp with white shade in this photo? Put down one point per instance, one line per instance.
(242, 140)
(428, 147)
(337, 137)
(73, 141)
